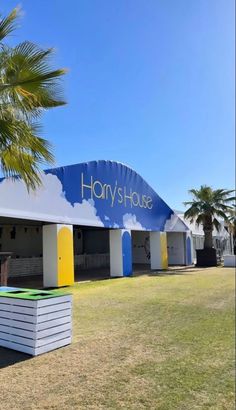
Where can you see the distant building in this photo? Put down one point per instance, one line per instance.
(221, 239)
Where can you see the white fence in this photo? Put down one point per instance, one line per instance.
(34, 266)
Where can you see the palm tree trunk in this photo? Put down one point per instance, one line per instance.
(208, 230)
(208, 239)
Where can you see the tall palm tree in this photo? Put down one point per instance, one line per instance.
(209, 205)
(28, 86)
(232, 227)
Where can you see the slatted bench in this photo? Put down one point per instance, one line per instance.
(34, 321)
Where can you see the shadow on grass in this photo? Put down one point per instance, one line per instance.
(101, 274)
(94, 277)
(169, 272)
(10, 357)
(161, 273)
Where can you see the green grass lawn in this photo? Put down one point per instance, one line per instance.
(148, 342)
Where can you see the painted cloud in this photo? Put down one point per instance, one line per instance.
(48, 203)
(130, 222)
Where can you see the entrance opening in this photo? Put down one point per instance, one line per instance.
(23, 238)
(91, 253)
(141, 251)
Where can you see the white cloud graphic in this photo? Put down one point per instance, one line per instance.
(48, 203)
(130, 222)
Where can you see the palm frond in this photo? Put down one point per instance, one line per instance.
(192, 212)
(28, 85)
(200, 219)
(216, 224)
(28, 81)
(22, 152)
(208, 204)
(9, 23)
(221, 214)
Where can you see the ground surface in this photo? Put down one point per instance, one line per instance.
(148, 342)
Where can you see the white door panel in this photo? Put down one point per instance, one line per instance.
(176, 248)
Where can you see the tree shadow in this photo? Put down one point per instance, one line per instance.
(169, 273)
(10, 357)
(185, 270)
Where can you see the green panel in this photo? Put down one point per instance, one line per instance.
(31, 294)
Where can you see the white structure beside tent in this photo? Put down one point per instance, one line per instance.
(221, 239)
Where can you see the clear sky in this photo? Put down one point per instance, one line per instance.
(150, 83)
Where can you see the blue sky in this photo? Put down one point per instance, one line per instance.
(150, 84)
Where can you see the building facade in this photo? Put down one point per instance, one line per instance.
(90, 215)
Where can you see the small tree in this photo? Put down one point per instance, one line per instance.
(28, 86)
(209, 205)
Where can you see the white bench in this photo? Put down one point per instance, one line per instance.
(34, 322)
(230, 260)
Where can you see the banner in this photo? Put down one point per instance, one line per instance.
(97, 193)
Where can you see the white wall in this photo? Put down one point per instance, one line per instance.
(176, 248)
(116, 257)
(155, 250)
(25, 267)
(27, 241)
(34, 266)
(50, 255)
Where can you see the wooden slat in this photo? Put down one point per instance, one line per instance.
(33, 326)
(18, 332)
(52, 346)
(18, 347)
(33, 334)
(52, 338)
(53, 308)
(17, 339)
(34, 311)
(35, 303)
(18, 309)
(54, 315)
(18, 316)
(18, 302)
(54, 301)
(53, 322)
(18, 324)
(35, 342)
(53, 330)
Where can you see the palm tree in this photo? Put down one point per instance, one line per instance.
(28, 86)
(232, 227)
(209, 205)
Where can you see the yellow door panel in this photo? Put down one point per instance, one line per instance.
(65, 257)
(164, 255)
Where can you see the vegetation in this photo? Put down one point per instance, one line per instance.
(28, 86)
(208, 207)
(162, 341)
(232, 226)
